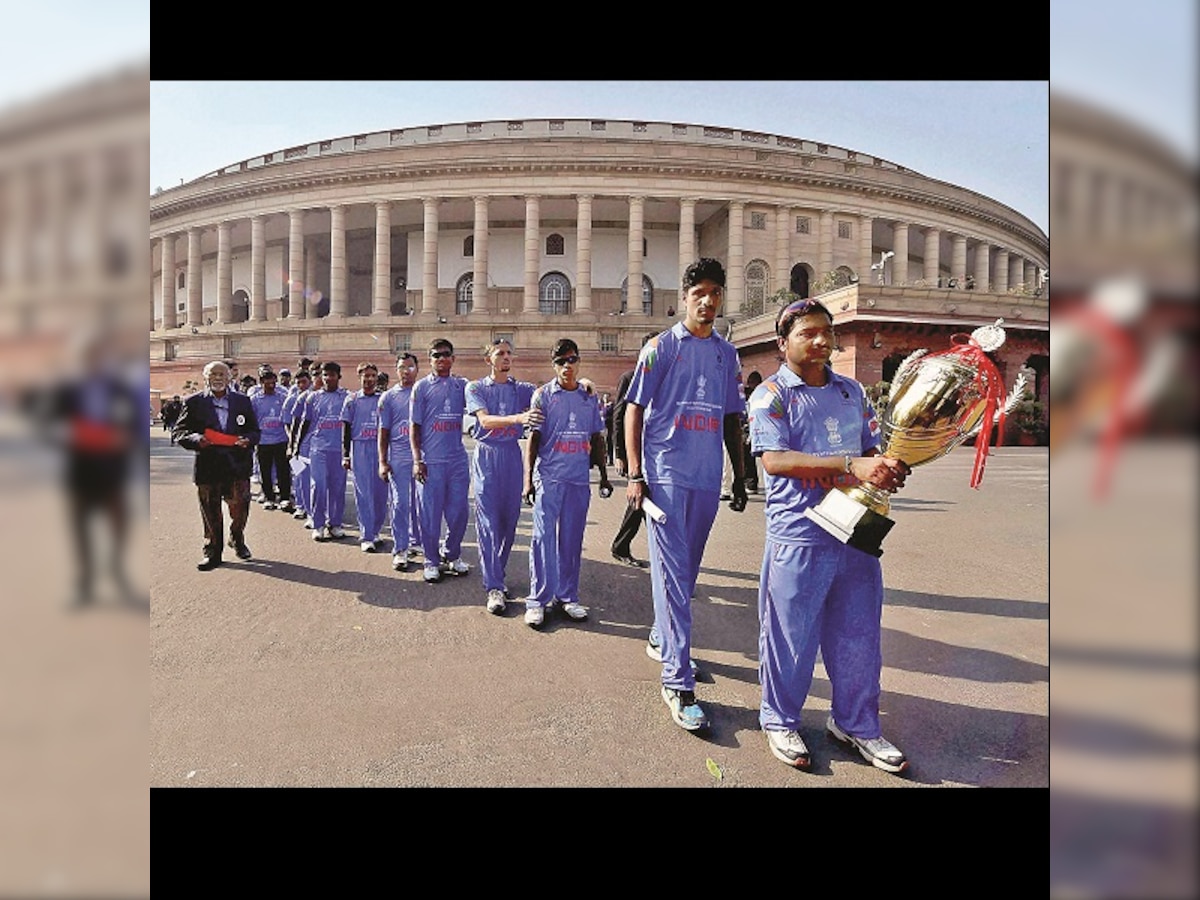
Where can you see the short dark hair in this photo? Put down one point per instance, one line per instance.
(305, 362)
(441, 342)
(303, 373)
(793, 311)
(404, 356)
(704, 269)
(367, 366)
(563, 347)
(331, 367)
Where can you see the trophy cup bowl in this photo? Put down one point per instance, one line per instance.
(936, 403)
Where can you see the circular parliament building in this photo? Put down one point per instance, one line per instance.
(357, 248)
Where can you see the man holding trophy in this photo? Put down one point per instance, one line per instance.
(815, 431)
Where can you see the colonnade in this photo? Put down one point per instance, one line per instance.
(996, 268)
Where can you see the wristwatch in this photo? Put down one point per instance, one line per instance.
(849, 459)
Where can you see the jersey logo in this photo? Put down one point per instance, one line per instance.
(700, 387)
(835, 436)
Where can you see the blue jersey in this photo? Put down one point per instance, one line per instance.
(361, 411)
(570, 418)
(393, 415)
(268, 409)
(438, 406)
(498, 399)
(323, 412)
(687, 385)
(833, 420)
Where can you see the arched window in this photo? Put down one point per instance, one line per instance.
(757, 275)
(469, 245)
(554, 245)
(182, 280)
(798, 284)
(241, 306)
(647, 295)
(554, 294)
(463, 294)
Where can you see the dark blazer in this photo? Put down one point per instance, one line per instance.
(618, 418)
(214, 464)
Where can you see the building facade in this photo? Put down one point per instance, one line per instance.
(358, 247)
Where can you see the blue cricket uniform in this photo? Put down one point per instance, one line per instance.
(323, 412)
(560, 477)
(393, 415)
(437, 408)
(815, 591)
(686, 385)
(361, 412)
(497, 473)
(293, 409)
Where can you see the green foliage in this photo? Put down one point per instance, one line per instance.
(1030, 417)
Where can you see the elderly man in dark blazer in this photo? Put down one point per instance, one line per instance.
(220, 426)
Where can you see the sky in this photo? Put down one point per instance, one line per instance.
(990, 137)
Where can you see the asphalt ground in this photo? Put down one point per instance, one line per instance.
(316, 665)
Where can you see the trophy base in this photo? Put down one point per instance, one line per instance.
(851, 522)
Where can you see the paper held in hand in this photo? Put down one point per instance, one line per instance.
(651, 509)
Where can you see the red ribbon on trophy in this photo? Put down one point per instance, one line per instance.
(972, 350)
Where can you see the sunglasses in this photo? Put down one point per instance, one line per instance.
(566, 360)
(441, 354)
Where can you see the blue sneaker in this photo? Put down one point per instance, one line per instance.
(685, 711)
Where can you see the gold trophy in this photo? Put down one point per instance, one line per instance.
(937, 401)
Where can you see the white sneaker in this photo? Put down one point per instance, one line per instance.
(495, 601)
(308, 522)
(880, 753)
(432, 574)
(456, 567)
(301, 514)
(534, 616)
(367, 546)
(789, 747)
(320, 534)
(336, 531)
(270, 504)
(576, 611)
(399, 563)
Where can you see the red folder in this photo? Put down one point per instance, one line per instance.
(220, 438)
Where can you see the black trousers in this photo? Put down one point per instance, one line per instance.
(628, 531)
(273, 467)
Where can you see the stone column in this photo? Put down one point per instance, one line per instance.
(958, 258)
(735, 274)
(783, 244)
(382, 304)
(533, 255)
(1016, 271)
(982, 273)
(825, 245)
(1030, 276)
(169, 319)
(583, 254)
(224, 275)
(429, 261)
(339, 304)
(296, 285)
(258, 269)
(195, 279)
(687, 236)
(311, 294)
(633, 286)
(900, 260)
(1001, 285)
(866, 250)
(932, 238)
(479, 274)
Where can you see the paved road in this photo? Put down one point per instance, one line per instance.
(317, 665)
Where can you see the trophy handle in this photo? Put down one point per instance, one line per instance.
(1019, 389)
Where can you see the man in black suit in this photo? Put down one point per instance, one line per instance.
(220, 426)
(632, 521)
